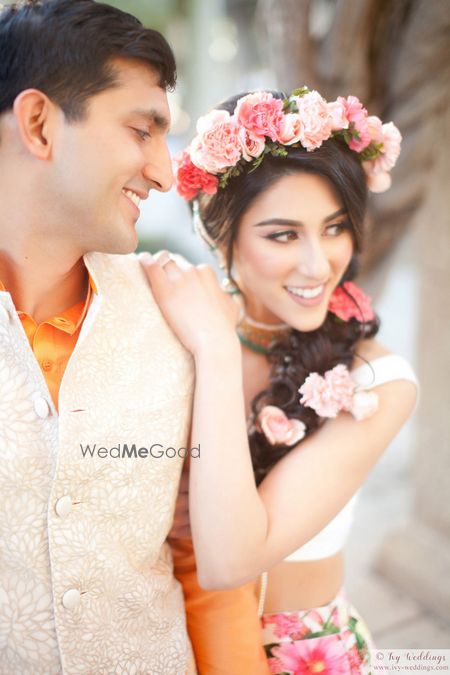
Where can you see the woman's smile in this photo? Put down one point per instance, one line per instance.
(293, 247)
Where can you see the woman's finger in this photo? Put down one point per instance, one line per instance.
(155, 274)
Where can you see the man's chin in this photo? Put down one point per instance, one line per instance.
(120, 245)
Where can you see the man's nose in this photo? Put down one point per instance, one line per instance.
(158, 169)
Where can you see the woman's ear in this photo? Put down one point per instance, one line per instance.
(36, 117)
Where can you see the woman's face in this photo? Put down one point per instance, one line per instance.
(293, 246)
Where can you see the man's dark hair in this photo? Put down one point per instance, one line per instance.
(65, 49)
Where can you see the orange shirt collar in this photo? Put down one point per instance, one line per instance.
(70, 320)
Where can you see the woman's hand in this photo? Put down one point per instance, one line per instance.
(202, 316)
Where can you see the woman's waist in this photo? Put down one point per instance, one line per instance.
(293, 586)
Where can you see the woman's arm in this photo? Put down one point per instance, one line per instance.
(238, 530)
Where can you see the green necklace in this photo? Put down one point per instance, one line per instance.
(259, 336)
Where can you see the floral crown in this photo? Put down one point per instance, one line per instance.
(262, 124)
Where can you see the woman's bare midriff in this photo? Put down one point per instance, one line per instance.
(292, 586)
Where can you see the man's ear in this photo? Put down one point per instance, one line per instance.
(36, 117)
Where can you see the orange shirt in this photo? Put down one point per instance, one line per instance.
(223, 625)
(53, 341)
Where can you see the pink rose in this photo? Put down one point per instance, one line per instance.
(365, 404)
(251, 146)
(336, 110)
(292, 129)
(278, 429)
(330, 394)
(217, 146)
(359, 305)
(261, 114)
(357, 116)
(315, 119)
(190, 179)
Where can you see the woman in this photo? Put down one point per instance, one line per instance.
(294, 405)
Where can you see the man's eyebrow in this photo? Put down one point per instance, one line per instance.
(154, 118)
(297, 223)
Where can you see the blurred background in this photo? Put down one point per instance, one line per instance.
(393, 55)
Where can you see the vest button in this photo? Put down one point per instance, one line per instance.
(64, 506)
(4, 315)
(71, 598)
(41, 407)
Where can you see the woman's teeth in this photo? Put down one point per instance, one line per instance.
(306, 292)
(133, 196)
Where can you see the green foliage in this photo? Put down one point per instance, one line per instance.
(154, 13)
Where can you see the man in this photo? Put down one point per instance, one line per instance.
(95, 391)
(86, 581)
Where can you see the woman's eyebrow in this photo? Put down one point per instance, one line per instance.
(279, 221)
(334, 215)
(297, 223)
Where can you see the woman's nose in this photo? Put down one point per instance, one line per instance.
(313, 261)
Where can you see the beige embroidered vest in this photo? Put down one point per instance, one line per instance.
(86, 583)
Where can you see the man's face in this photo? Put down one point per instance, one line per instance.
(114, 156)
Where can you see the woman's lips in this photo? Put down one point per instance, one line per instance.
(294, 294)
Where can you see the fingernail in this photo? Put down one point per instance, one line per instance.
(146, 258)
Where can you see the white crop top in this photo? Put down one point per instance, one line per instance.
(332, 538)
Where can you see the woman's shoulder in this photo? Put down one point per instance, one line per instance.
(376, 366)
(369, 350)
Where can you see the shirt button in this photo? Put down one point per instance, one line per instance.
(41, 407)
(46, 365)
(64, 506)
(4, 315)
(71, 598)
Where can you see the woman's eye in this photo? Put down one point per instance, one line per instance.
(283, 237)
(335, 230)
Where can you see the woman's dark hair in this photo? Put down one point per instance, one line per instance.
(65, 49)
(298, 354)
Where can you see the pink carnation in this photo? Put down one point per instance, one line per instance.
(390, 151)
(279, 429)
(315, 119)
(359, 305)
(324, 655)
(339, 120)
(217, 145)
(375, 129)
(190, 179)
(330, 394)
(261, 114)
(357, 116)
